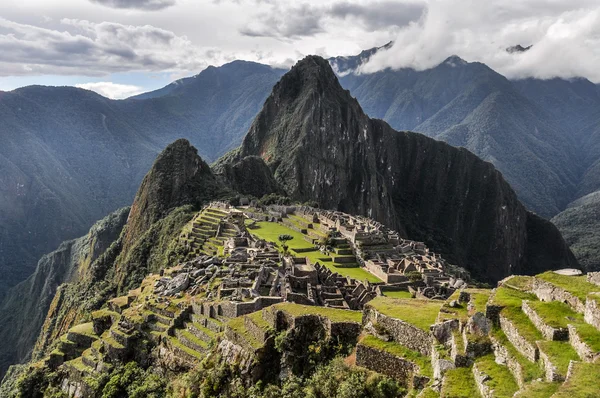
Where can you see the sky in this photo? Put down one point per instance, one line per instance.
(121, 48)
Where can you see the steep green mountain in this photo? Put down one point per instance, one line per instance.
(26, 306)
(320, 146)
(580, 226)
(472, 106)
(176, 186)
(69, 156)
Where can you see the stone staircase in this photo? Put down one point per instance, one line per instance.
(202, 238)
(195, 335)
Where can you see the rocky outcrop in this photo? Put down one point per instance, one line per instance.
(23, 311)
(249, 176)
(320, 146)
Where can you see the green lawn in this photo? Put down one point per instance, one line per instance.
(479, 298)
(582, 383)
(334, 314)
(523, 324)
(500, 378)
(531, 370)
(556, 314)
(459, 383)
(399, 350)
(507, 297)
(270, 231)
(417, 312)
(520, 282)
(576, 285)
(538, 389)
(397, 294)
(86, 329)
(560, 354)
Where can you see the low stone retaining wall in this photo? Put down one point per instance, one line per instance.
(390, 365)
(552, 373)
(256, 331)
(530, 351)
(549, 333)
(402, 332)
(480, 379)
(234, 309)
(591, 312)
(504, 357)
(583, 350)
(546, 291)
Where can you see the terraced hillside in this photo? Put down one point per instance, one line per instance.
(243, 308)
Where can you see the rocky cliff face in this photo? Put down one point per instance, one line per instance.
(23, 311)
(320, 146)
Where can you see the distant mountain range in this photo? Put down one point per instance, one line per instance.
(70, 156)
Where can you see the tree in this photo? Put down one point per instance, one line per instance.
(284, 239)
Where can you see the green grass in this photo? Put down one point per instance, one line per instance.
(86, 329)
(259, 321)
(78, 364)
(479, 298)
(237, 325)
(399, 350)
(428, 393)
(270, 231)
(523, 324)
(357, 273)
(188, 350)
(417, 312)
(334, 314)
(459, 383)
(530, 370)
(501, 380)
(555, 313)
(576, 285)
(589, 335)
(459, 341)
(507, 297)
(582, 383)
(397, 294)
(520, 282)
(538, 389)
(560, 354)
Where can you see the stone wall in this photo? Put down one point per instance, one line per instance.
(546, 291)
(504, 357)
(552, 373)
(480, 379)
(583, 350)
(548, 331)
(593, 277)
(530, 351)
(403, 333)
(234, 309)
(385, 363)
(592, 310)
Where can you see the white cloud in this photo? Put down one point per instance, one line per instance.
(89, 48)
(112, 90)
(565, 38)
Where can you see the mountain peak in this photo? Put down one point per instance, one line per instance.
(310, 72)
(454, 60)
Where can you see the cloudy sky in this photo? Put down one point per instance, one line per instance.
(122, 47)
